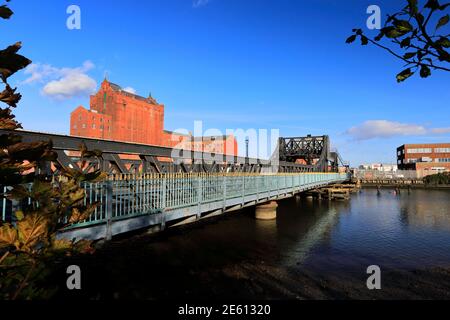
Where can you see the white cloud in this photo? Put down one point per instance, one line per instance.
(440, 130)
(76, 84)
(385, 129)
(129, 90)
(200, 3)
(38, 72)
(62, 83)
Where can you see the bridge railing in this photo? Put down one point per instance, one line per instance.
(126, 196)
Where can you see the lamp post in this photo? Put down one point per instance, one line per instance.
(246, 147)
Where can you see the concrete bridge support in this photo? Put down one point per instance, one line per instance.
(267, 211)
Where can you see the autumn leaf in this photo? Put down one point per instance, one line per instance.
(9, 96)
(61, 244)
(8, 236)
(32, 229)
(11, 62)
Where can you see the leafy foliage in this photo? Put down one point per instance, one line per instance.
(436, 179)
(29, 245)
(414, 31)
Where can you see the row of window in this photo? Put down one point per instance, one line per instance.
(420, 150)
(421, 160)
(93, 127)
(442, 150)
(424, 150)
(93, 118)
(429, 150)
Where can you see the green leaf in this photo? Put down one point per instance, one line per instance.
(425, 71)
(403, 26)
(5, 12)
(351, 39)
(364, 40)
(444, 42)
(405, 42)
(443, 21)
(405, 74)
(19, 215)
(379, 36)
(432, 4)
(412, 6)
(409, 55)
(392, 32)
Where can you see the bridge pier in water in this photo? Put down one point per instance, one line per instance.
(266, 211)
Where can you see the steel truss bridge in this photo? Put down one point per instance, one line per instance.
(152, 186)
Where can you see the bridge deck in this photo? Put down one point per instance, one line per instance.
(155, 199)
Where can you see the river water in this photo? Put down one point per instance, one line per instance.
(222, 256)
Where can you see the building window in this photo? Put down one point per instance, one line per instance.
(93, 126)
(83, 126)
(442, 150)
(420, 150)
(443, 160)
(412, 160)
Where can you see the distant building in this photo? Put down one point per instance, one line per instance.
(425, 158)
(118, 115)
(385, 167)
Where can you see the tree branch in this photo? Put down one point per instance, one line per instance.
(406, 60)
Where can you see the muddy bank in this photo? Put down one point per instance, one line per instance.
(134, 276)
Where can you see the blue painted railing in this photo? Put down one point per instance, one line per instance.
(127, 196)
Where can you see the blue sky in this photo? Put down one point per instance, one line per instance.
(232, 64)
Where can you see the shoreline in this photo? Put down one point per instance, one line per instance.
(256, 281)
(406, 186)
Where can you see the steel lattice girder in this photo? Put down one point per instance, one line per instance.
(307, 148)
(150, 158)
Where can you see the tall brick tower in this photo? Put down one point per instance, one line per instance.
(118, 115)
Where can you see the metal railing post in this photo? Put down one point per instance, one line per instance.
(163, 201)
(224, 191)
(257, 188)
(199, 196)
(4, 205)
(243, 189)
(108, 208)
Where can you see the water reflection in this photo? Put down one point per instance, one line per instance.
(426, 209)
(393, 230)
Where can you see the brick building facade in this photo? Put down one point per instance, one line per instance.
(118, 115)
(427, 158)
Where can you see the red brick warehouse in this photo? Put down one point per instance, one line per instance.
(118, 115)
